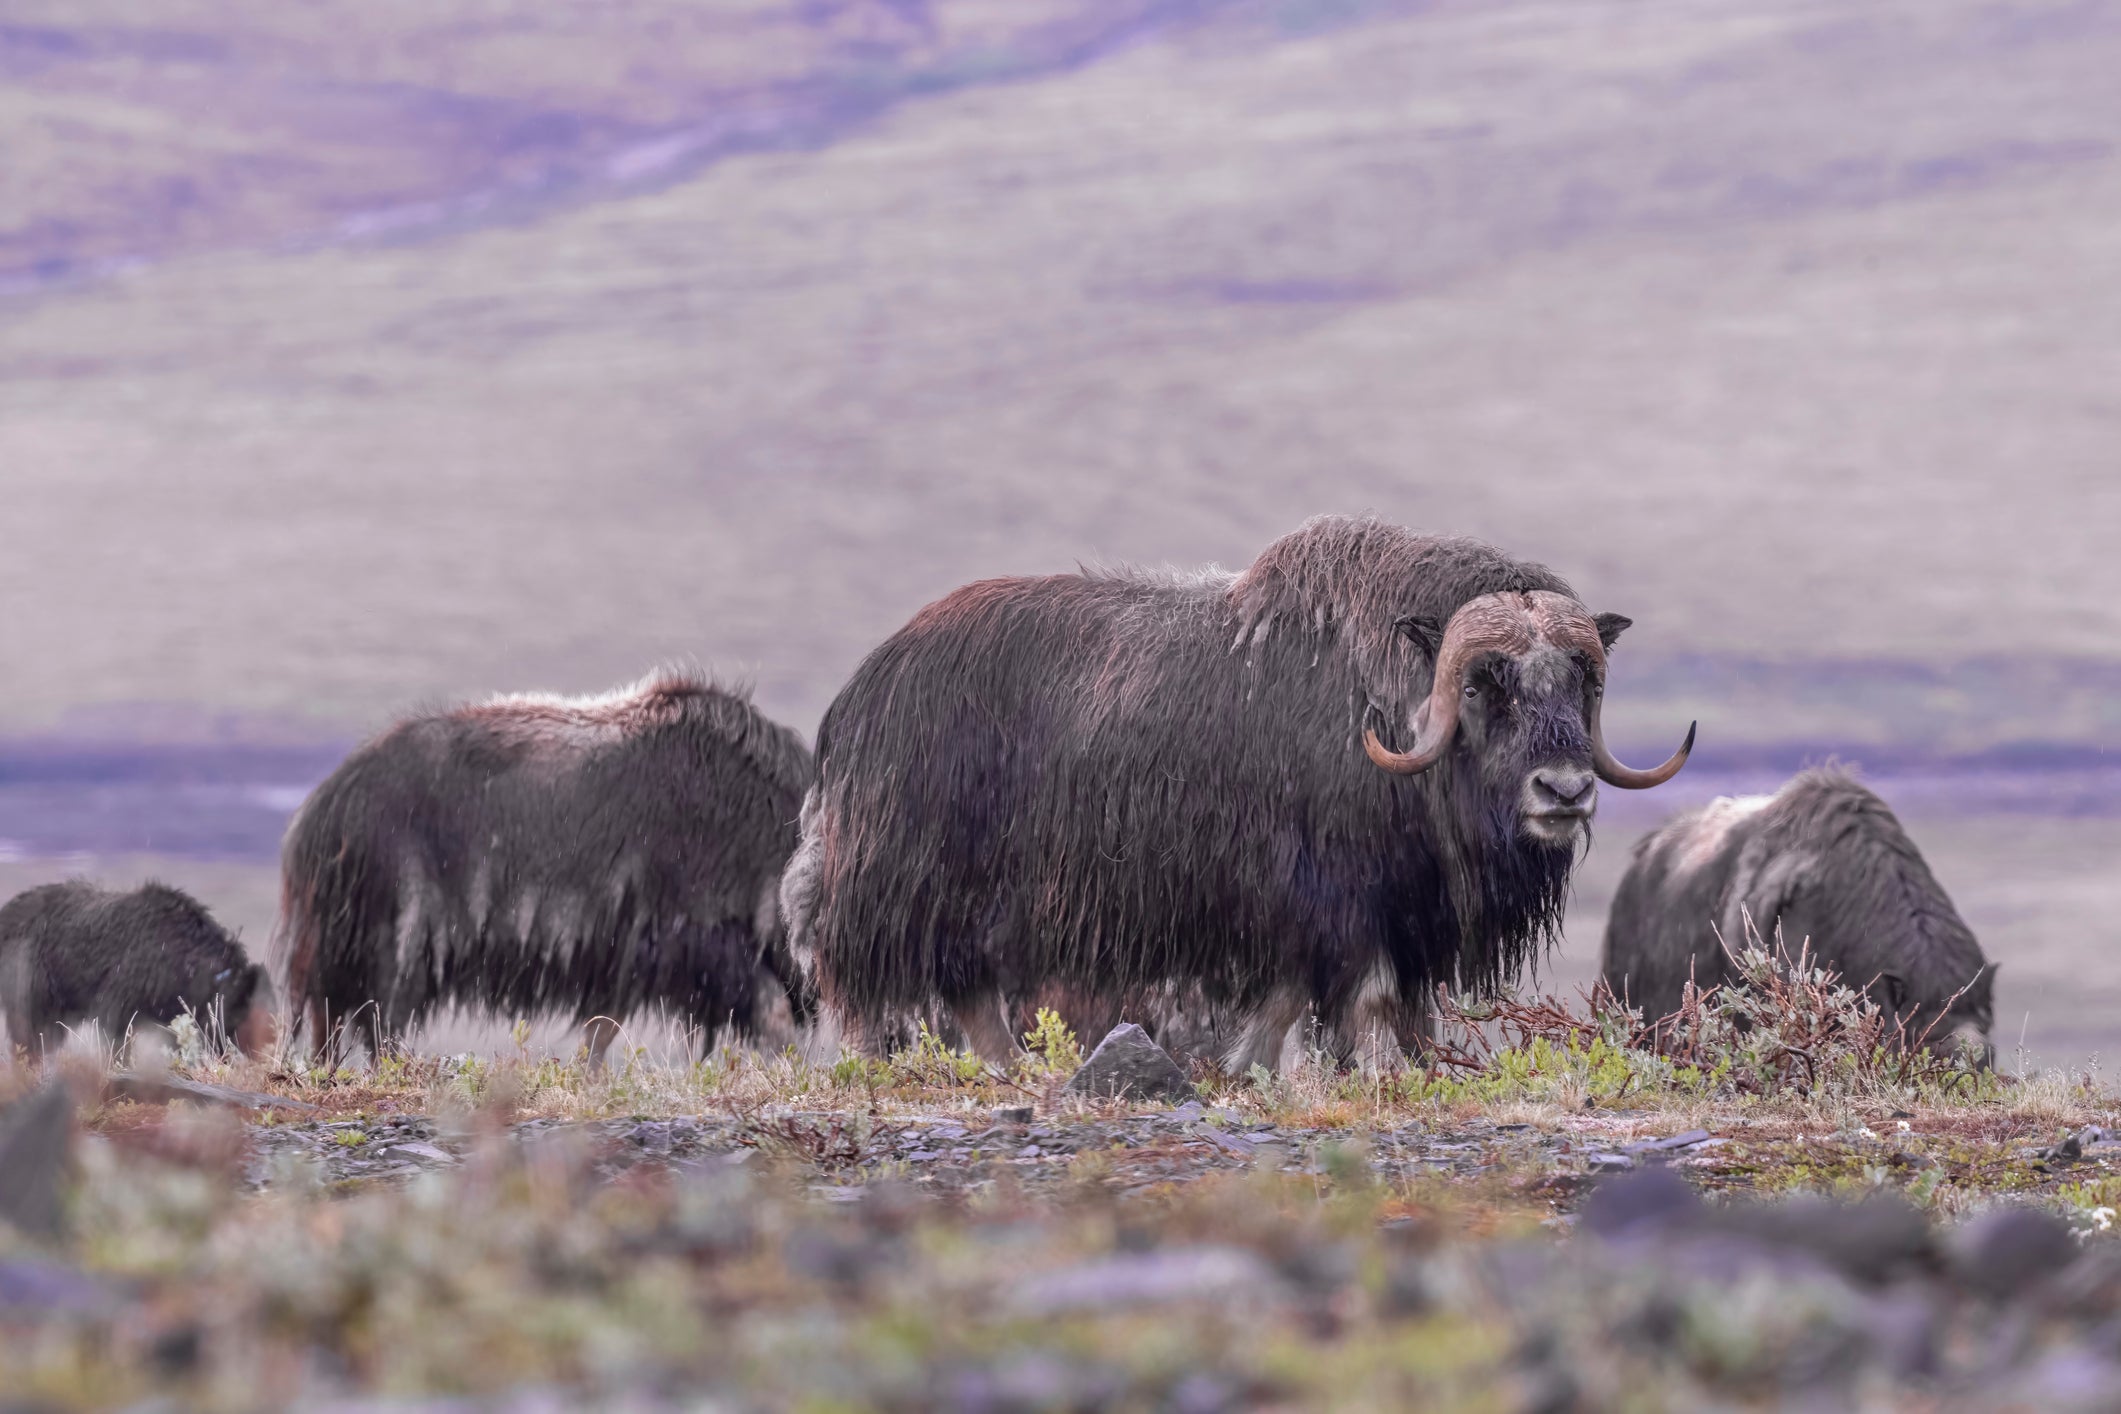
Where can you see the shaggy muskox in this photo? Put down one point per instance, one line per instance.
(531, 854)
(1130, 784)
(72, 953)
(1824, 861)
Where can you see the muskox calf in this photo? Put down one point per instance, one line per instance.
(1824, 861)
(1141, 787)
(526, 855)
(73, 953)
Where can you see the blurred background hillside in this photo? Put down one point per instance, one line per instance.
(359, 356)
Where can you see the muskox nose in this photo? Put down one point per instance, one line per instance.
(1562, 790)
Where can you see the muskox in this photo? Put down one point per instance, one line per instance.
(1822, 864)
(1360, 768)
(533, 854)
(73, 953)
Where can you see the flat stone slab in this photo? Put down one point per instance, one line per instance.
(161, 1089)
(1127, 1063)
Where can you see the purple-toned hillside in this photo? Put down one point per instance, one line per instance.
(353, 357)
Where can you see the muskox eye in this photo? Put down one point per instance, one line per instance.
(1472, 689)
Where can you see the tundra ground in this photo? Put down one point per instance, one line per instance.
(757, 1231)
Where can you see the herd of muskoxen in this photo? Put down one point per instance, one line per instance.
(1221, 805)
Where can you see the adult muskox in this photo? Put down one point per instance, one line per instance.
(1824, 861)
(1137, 784)
(73, 953)
(530, 854)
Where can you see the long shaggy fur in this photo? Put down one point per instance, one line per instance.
(72, 953)
(534, 854)
(1826, 861)
(1124, 782)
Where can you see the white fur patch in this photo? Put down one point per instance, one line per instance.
(591, 704)
(1704, 841)
(799, 884)
(1380, 986)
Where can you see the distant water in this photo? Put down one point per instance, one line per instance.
(208, 800)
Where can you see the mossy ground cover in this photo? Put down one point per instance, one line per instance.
(926, 1231)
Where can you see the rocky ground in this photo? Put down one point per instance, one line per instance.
(926, 1233)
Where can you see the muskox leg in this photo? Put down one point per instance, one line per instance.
(1379, 1026)
(371, 1021)
(320, 1038)
(597, 1035)
(1260, 1042)
(984, 1019)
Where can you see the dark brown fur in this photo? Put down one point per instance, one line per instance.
(1825, 862)
(1131, 785)
(528, 855)
(72, 953)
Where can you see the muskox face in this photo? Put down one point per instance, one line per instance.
(240, 996)
(1526, 720)
(1518, 685)
(1961, 1027)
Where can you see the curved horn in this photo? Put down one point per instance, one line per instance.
(1627, 777)
(1477, 627)
(1570, 623)
(1408, 763)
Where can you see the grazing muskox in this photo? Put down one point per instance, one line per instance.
(1134, 784)
(530, 854)
(1824, 861)
(71, 953)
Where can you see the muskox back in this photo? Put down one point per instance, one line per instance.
(530, 855)
(1826, 862)
(73, 953)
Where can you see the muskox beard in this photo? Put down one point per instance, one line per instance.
(1520, 887)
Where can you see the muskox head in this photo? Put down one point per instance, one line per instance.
(1956, 1025)
(240, 997)
(1519, 678)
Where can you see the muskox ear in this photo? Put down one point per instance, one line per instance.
(1423, 632)
(1610, 627)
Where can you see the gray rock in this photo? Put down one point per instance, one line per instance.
(1241, 1147)
(1650, 1201)
(1881, 1239)
(1148, 1279)
(1903, 1329)
(423, 1151)
(1665, 1146)
(2006, 1250)
(1013, 1114)
(35, 1136)
(1127, 1063)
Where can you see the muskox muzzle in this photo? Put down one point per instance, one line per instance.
(1515, 624)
